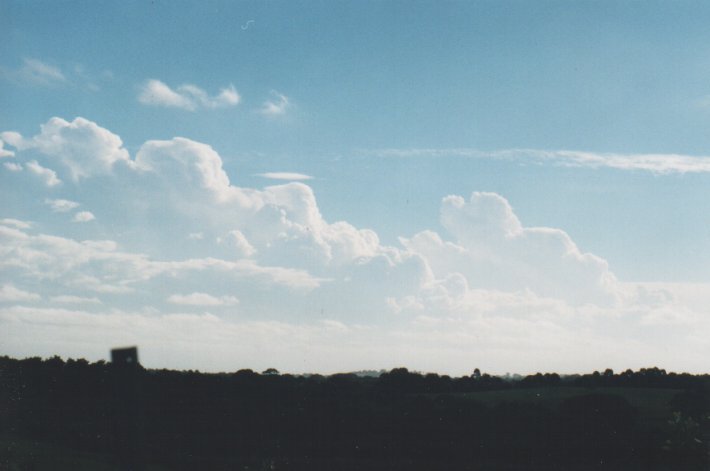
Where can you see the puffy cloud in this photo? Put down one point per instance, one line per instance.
(276, 106)
(60, 205)
(493, 250)
(9, 293)
(486, 287)
(13, 138)
(84, 147)
(13, 167)
(48, 175)
(187, 97)
(187, 165)
(83, 216)
(202, 299)
(155, 92)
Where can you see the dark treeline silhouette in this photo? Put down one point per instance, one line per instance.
(88, 414)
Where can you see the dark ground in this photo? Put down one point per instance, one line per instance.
(74, 415)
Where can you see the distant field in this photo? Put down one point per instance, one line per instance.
(652, 404)
(25, 455)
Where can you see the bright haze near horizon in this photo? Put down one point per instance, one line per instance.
(338, 186)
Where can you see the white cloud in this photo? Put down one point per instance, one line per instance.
(71, 299)
(16, 223)
(9, 293)
(189, 166)
(241, 244)
(99, 265)
(83, 216)
(49, 176)
(661, 164)
(13, 167)
(277, 106)
(13, 138)
(292, 176)
(4, 152)
(187, 97)
(202, 299)
(60, 205)
(316, 294)
(84, 147)
(156, 93)
(493, 250)
(36, 72)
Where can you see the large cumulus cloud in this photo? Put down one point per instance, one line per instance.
(491, 249)
(264, 269)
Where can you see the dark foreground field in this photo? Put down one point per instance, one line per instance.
(74, 415)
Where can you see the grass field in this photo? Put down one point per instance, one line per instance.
(652, 404)
(31, 455)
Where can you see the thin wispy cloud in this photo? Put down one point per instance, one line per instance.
(16, 223)
(35, 72)
(10, 293)
(276, 106)
(71, 299)
(187, 97)
(655, 163)
(13, 167)
(202, 299)
(291, 176)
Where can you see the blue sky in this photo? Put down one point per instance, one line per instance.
(322, 186)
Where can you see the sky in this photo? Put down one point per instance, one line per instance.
(339, 186)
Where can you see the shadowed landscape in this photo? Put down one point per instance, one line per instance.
(57, 414)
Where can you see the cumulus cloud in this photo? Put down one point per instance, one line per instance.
(83, 216)
(493, 250)
(291, 176)
(60, 205)
(314, 290)
(13, 167)
(194, 166)
(83, 146)
(276, 106)
(660, 164)
(47, 175)
(188, 97)
(202, 299)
